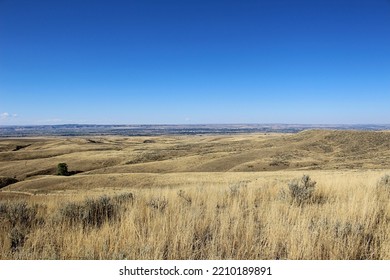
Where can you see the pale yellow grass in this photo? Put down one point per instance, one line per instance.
(221, 216)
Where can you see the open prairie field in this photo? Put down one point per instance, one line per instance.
(197, 197)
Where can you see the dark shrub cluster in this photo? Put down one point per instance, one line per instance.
(124, 198)
(19, 214)
(18, 218)
(158, 204)
(3, 209)
(62, 169)
(91, 212)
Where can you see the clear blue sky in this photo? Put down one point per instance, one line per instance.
(194, 61)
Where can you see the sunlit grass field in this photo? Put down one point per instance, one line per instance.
(346, 216)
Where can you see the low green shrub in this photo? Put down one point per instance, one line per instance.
(62, 169)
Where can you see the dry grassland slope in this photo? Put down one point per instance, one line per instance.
(141, 161)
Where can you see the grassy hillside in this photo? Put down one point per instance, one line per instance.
(197, 197)
(35, 160)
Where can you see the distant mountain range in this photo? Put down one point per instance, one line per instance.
(145, 130)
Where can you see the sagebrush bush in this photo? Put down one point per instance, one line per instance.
(91, 212)
(384, 182)
(20, 214)
(3, 209)
(18, 218)
(98, 211)
(17, 238)
(184, 196)
(72, 213)
(124, 198)
(301, 191)
(158, 203)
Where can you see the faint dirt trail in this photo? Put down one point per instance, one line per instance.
(18, 192)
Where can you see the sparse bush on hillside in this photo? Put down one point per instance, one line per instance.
(384, 182)
(20, 214)
(72, 213)
(62, 169)
(18, 218)
(301, 191)
(157, 155)
(124, 198)
(234, 189)
(158, 203)
(17, 237)
(97, 211)
(5, 181)
(91, 212)
(184, 196)
(3, 209)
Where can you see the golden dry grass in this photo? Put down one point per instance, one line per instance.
(193, 200)
(237, 221)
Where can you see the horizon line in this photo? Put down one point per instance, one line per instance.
(197, 124)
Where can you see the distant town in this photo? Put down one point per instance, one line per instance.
(149, 130)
